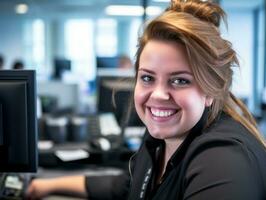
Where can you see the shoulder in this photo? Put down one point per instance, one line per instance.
(227, 132)
(229, 140)
(227, 156)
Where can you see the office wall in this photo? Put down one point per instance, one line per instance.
(240, 33)
(69, 95)
(11, 37)
(246, 24)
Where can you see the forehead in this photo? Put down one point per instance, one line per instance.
(164, 48)
(164, 53)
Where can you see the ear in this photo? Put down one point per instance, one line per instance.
(208, 101)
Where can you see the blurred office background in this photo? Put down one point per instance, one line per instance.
(75, 46)
(64, 40)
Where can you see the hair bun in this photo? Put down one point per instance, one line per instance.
(204, 10)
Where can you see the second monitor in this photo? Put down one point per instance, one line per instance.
(18, 132)
(115, 94)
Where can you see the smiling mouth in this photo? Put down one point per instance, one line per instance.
(163, 113)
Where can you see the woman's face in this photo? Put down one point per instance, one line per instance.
(167, 97)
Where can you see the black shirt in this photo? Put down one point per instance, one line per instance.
(224, 161)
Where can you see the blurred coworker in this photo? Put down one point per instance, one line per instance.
(124, 62)
(2, 61)
(18, 64)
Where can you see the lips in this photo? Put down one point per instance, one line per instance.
(162, 113)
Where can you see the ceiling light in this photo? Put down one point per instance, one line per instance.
(161, 1)
(124, 10)
(154, 10)
(21, 8)
(121, 10)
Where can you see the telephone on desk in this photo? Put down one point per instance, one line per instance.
(107, 133)
(13, 186)
(111, 134)
(103, 124)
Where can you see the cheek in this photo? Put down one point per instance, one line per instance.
(191, 100)
(139, 97)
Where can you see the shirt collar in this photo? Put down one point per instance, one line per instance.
(195, 131)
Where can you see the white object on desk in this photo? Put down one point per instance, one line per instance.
(13, 182)
(134, 131)
(105, 144)
(108, 124)
(70, 155)
(45, 144)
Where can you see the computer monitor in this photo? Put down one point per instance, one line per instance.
(61, 65)
(107, 62)
(18, 132)
(115, 94)
(263, 99)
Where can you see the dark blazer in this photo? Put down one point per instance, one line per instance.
(222, 162)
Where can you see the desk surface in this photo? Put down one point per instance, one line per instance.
(90, 171)
(55, 197)
(99, 163)
(115, 157)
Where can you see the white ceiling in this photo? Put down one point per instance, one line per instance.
(68, 6)
(241, 4)
(95, 7)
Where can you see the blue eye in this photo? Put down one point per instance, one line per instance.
(146, 78)
(180, 81)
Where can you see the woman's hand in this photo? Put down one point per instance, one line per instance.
(40, 188)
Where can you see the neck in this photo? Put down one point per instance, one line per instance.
(170, 147)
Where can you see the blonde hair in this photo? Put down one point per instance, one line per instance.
(195, 24)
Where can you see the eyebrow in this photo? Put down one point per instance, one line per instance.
(172, 73)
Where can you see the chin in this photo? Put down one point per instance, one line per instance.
(157, 136)
(167, 134)
(160, 134)
(155, 133)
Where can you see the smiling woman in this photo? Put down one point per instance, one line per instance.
(201, 141)
(166, 92)
(199, 135)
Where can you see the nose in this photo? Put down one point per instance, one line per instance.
(160, 93)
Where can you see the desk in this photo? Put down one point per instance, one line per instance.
(85, 170)
(117, 157)
(90, 171)
(99, 163)
(56, 197)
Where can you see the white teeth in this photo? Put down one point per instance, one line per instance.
(164, 113)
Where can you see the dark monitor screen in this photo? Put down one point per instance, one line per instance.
(115, 94)
(107, 62)
(61, 65)
(263, 100)
(18, 133)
